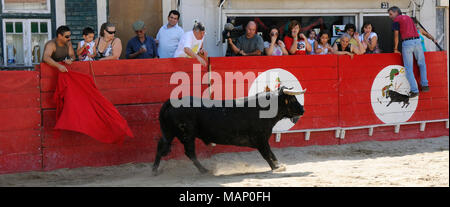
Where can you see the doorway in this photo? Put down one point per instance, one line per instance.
(124, 13)
(383, 28)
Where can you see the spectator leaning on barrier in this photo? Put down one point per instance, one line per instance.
(411, 47)
(369, 39)
(296, 42)
(141, 46)
(169, 36)
(344, 47)
(86, 48)
(59, 49)
(274, 46)
(350, 29)
(107, 45)
(322, 47)
(191, 44)
(249, 44)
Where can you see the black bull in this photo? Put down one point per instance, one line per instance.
(239, 126)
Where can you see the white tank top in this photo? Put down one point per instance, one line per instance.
(324, 50)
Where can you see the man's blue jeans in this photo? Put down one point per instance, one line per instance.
(411, 49)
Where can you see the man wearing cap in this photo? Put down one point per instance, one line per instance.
(141, 46)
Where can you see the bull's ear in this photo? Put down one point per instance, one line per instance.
(286, 101)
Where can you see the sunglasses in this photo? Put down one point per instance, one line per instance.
(111, 32)
(67, 36)
(140, 31)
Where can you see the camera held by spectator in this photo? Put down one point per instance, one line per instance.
(230, 31)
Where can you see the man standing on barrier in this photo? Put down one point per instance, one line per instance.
(411, 47)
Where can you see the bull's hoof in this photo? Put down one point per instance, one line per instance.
(156, 172)
(204, 171)
(279, 168)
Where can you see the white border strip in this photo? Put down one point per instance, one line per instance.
(340, 131)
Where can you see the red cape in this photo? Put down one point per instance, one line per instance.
(82, 108)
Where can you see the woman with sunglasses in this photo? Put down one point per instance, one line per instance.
(107, 45)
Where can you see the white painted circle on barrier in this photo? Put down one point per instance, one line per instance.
(273, 79)
(389, 96)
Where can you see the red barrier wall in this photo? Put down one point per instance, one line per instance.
(356, 79)
(338, 96)
(137, 88)
(355, 88)
(20, 121)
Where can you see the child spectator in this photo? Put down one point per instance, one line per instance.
(86, 48)
(322, 47)
(312, 37)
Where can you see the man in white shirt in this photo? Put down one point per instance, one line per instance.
(191, 44)
(169, 36)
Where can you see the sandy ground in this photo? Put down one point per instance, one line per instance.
(423, 162)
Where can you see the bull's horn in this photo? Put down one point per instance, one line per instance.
(293, 92)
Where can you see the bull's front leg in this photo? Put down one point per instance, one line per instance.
(389, 103)
(274, 159)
